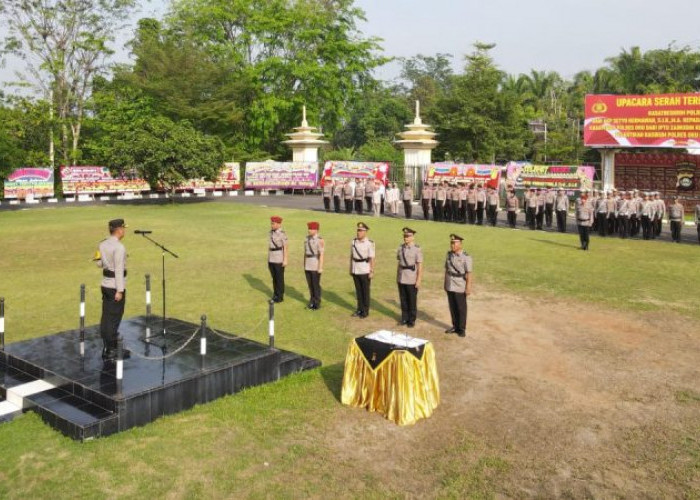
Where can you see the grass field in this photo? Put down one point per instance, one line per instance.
(273, 441)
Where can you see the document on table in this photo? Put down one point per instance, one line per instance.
(398, 339)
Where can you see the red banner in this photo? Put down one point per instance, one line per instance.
(654, 120)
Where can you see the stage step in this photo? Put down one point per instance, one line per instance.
(74, 416)
(8, 411)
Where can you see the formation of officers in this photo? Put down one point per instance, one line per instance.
(409, 271)
(622, 213)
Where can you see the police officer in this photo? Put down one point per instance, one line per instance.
(409, 273)
(492, 206)
(458, 284)
(348, 196)
(676, 214)
(277, 256)
(314, 248)
(369, 192)
(471, 204)
(647, 216)
(362, 254)
(327, 194)
(111, 257)
(561, 205)
(407, 197)
(623, 214)
(539, 216)
(359, 196)
(440, 197)
(426, 196)
(512, 204)
(584, 218)
(480, 204)
(697, 219)
(337, 194)
(550, 197)
(601, 211)
(531, 208)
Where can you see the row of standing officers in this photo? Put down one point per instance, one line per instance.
(409, 271)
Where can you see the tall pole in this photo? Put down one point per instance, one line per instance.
(51, 146)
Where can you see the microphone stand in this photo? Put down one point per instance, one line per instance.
(165, 250)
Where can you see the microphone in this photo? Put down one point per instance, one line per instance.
(141, 231)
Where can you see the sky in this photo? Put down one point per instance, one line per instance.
(566, 36)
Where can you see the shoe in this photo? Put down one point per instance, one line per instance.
(356, 314)
(310, 306)
(126, 353)
(451, 330)
(410, 325)
(364, 315)
(462, 334)
(403, 322)
(277, 301)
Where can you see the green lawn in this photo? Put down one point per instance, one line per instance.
(219, 449)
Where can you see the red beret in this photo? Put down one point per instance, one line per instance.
(313, 225)
(276, 218)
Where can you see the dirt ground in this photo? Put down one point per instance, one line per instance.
(543, 400)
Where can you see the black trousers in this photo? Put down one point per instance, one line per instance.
(463, 212)
(634, 225)
(584, 236)
(646, 227)
(491, 214)
(368, 200)
(699, 233)
(439, 210)
(348, 205)
(657, 227)
(112, 313)
(362, 288)
(548, 212)
(531, 213)
(539, 217)
(447, 216)
(426, 209)
(277, 273)
(676, 230)
(602, 219)
(623, 226)
(561, 221)
(511, 218)
(612, 223)
(358, 206)
(408, 295)
(471, 213)
(480, 213)
(327, 203)
(407, 208)
(313, 279)
(433, 205)
(458, 310)
(336, 204)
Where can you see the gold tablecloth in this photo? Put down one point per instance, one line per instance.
(402, 387)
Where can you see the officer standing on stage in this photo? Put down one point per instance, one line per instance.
(409, 273)
(314, 248)
(407, 198)
(458, 284)
(676, 214)
(277, 256)
(111, 257)
(561, 206)
(327, 194)
(362, 254)
(584, 218)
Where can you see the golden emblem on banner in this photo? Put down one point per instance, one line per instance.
(686, 177)
(599, 107)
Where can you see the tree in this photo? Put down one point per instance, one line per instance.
(65, 44)
(166, 153)
(24, 130)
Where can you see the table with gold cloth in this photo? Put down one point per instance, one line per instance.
(392, 374)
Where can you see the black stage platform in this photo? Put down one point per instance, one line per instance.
(82, 398)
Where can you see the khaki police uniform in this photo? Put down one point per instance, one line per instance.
(480, 205)
(410, 259)
(337, 195)
(112, 260)
(676, 215)
(471, 205)
(512, 205)
(426, 197)
(277, 242)
(492, 207)
(347, 196)
(584, 220)
(359, 197)
(440, 197)
(314, 248)
(561, 206)
(362, 254)
(369, 193)
(549, 198)
(327, 195)
(457, 267)
(407, 199)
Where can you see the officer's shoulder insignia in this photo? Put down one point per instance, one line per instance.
(417, 246)
(371, 241)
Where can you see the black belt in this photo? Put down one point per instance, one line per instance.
(310, 255)
(110, 274)
(360, 260)
(455, 275)
(412, 268)
(276, 249)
